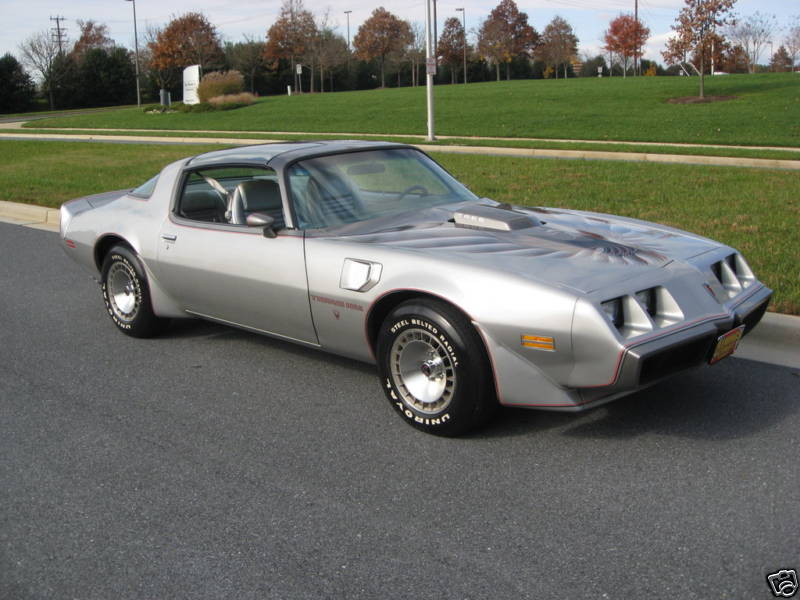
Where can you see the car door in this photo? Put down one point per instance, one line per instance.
(234, 273)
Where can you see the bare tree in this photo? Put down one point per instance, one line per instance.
(416, 51)
(39, 53)
(247, 57)
(753, 33)
(792, 41)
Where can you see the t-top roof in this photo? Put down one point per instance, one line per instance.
(262, 154)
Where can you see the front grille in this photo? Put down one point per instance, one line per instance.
(751, 319)
(674, 359)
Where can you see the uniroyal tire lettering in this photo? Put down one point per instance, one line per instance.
(422, 420)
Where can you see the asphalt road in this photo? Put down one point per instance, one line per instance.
(212, 463)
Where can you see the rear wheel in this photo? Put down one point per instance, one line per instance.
(434, 368)
(126, 295)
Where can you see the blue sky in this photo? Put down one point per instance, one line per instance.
(589, 18)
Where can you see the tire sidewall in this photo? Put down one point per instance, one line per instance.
(123, 256)
(468, 369)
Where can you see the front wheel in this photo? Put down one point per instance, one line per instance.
(126, 295)
(434, 368)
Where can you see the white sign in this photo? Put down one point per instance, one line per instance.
(299, 69)
(191, 79)
(430, 66)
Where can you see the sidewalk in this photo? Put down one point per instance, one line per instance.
(776, 340)
(724, 161)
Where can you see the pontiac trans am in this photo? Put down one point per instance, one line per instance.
(373, 251)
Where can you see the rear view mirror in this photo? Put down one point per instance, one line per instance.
(258, 219)
(366, 168)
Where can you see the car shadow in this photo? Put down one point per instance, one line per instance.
(202, 329)
(733, 399)
(730, 400)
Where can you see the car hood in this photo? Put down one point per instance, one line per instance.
(581, 250)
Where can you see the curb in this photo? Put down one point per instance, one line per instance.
(38, 217)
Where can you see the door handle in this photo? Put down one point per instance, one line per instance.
(169, 237)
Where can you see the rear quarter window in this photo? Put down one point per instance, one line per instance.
(146, 189)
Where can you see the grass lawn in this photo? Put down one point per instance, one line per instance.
(754, 210)
(597, 147)
(765, 112)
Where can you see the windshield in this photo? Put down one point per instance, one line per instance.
(346, 188)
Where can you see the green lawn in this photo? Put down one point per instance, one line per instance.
(754, 210)
(788, 154)
(765, 112)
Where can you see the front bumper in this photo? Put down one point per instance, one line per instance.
(644, 363)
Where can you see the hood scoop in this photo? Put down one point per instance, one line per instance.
(493, 218)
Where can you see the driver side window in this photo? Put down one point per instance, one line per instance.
(229, 195)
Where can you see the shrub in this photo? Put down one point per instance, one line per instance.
(230, 101)
(220, 83)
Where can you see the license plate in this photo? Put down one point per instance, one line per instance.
(727, 344)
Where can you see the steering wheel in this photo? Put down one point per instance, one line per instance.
(423, 191)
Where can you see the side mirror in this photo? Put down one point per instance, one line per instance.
(262, 220)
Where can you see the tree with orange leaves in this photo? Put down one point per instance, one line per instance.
(383, 33)
(186, 40)
(697, 19)
(506, 34)
(93, 35)
(291, 36)
(625, 37)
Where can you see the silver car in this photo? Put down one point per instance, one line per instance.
(373, 251)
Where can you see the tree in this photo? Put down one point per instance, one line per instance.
(506, 34)
(416, 51)
(247, 57)
(559, 44)
(591, 64)
(781, 61)
(93, 35)
(626, 37)
(792, 41)
(16, 86)
(718, 48)
(380, 35)
(186, 40)
(735, 60)
(39, 53)
(451, 45)
(290, 36)
(332, 52)
(697, 19)
(753, 33)
(105, 77)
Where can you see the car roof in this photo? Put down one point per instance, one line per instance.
(262, 154)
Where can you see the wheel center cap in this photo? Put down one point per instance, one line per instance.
(432, 368)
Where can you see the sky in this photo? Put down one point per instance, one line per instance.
(237, 18)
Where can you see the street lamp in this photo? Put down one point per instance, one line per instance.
(347, 12)
(771, 53)
(136, 46)
(464, 26)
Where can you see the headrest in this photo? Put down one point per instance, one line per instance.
(260, 195)
(197, 200)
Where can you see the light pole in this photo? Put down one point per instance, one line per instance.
(136, 47)
(347, 12)
(430, 68)
(464, 27)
